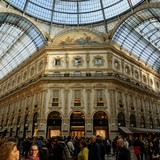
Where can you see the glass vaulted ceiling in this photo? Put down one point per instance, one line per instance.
(74, 12)
(18, 40)
(140, 35)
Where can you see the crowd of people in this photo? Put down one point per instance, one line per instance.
(69, 148)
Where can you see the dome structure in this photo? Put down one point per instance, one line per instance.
(74, 12)
(138, 33)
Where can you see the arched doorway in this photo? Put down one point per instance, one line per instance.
(77, 124)
(11, 129)
(34, 125)
(142, 122)
(54, 121)
(151, 122)
(25, 126)
(121, 119)
(18, 125)
(132, 121)
(100, 124)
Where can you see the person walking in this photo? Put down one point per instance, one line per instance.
(94, 149)
(83, 154)
(137, 145)
(122, 152)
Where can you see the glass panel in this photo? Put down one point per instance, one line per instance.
(116, 9)
(38, 11)
(139, 34)
(66, 6)
(89, 6)
(67, 11)
(17, 3)
(47, 4)
(134, 2)
(91, 17)
(18, 40)
(64, 18)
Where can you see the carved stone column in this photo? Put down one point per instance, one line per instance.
(67, 60)
(88, 120)
(42, 119)
(122, 62)
(110, 59)
(43, 104)
(88, 61)
(65, 120)
(66, 91)
(113, 121)
(88, 91)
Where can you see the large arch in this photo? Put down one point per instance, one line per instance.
(54, 122)
(100, 124)
(34, 125)
(77, 124)
(142, 122)
(121, 119)
(132, 121)
(151, 125)
(25, 127)
(18, 125)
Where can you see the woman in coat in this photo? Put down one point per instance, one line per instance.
(83, 154)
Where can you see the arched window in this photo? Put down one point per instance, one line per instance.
(121, 120)
(151, 122)
(142, 122)
(132, 121)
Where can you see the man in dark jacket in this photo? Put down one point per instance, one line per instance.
(123, 153)
(94, 150)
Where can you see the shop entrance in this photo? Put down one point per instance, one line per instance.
(77, 124)
(54, 121)
(100, 124)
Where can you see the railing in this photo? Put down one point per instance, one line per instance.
(84, 75)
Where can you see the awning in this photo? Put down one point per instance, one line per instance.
(144, 130)
(3, 130)
(126, 130)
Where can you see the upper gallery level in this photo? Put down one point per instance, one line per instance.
(26, 26)
(81, 54)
